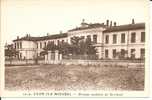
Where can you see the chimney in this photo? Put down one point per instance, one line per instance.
(60, 32)
(133, 21)
(47, 34)
(114, 23)
(17, 37)
(107, 22)
(26, 35)
(110, 23)
(83, 20)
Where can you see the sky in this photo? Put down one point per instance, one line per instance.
(39, 17)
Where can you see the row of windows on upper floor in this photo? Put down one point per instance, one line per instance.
(123, 38)
(44, 44)
(39, 45)
(18, 45)
(93, 38)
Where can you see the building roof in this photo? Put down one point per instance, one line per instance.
(89, 26)
(56, 36)
(29, 38)
(125, 27)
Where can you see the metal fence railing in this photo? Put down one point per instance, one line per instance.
(81, 57)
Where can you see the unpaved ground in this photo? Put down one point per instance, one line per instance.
(75, 77)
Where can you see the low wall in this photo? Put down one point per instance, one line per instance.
(104, 63)
(19, 62)
(124, 63)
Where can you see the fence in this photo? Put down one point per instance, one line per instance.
(81, 57)
(124, 63)
(19, 62)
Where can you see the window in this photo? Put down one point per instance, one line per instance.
(15, 45)
(94, 38)
(82, 37)
(107, 39)
(40, 45)
(58, 42)
(62, 41)
(114, 39)
(20, 45)
(142, 36)
(114, 53)
(122, 53)
(52, 42)
(133, 37)
(106, 53)
(123, 38)
(20, 56)
(70, 40)
(89, 37)
(37, 45)
(44, 44)
(142, 53)
(132, 53)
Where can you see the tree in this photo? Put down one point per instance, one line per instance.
(82, 46)
(10, 52)
(75, 44)
(64, 48)
(78, 46)
(91, 50)
(50, 46)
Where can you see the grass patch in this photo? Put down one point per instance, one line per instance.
(75, 77)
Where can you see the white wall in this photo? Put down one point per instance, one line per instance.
(50, 40)
(127, 45)
(86, 32)
(28, 50)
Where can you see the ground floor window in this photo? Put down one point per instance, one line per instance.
(133, 53)
(114, 53)
(53, 56)
(142, 53)
(18, 56)
(122, 53)
(106, 53)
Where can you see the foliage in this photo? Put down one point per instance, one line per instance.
(10, 51)
(75, 45)
(82, 46)
(78, 46)
(50, 46)
(64, 48)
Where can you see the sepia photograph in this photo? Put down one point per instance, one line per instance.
(74, 45)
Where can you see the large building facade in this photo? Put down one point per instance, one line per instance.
(111, 41)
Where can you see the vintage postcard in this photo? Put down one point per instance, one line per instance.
(74, 48)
